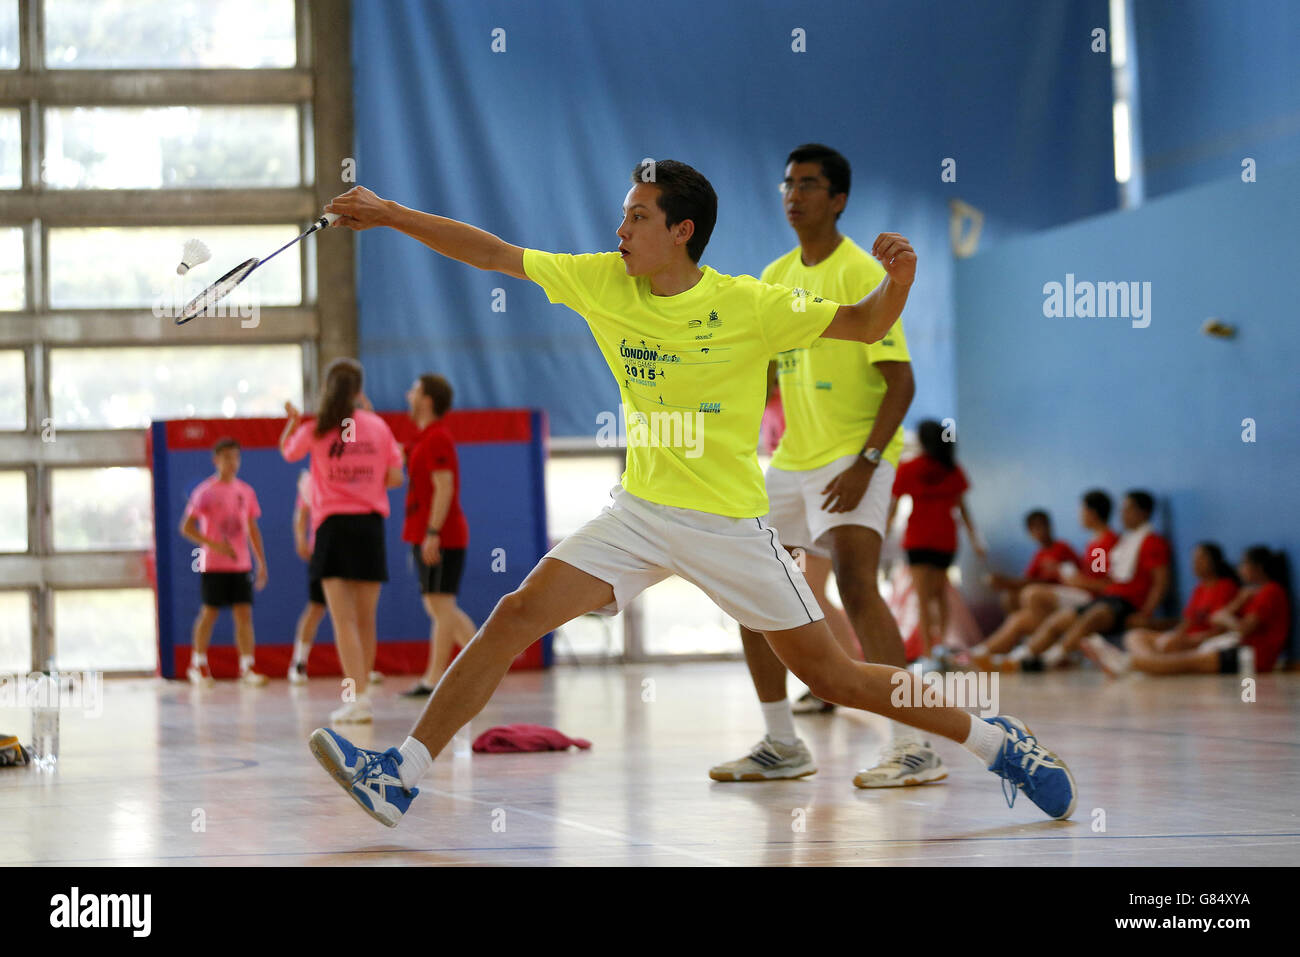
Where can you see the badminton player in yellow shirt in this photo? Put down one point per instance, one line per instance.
(689, 348)
(830, 479)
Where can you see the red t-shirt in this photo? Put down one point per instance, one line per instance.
(1152, 553)
(1270, 606)
(1045, 565)
(935, 492)
(1095, 560)
(1205, 601)
(433, 452)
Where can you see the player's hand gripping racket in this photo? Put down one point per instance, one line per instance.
(226, 284)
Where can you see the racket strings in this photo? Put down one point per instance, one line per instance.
(217, 291)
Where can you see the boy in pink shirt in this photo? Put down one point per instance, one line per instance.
(221, 518)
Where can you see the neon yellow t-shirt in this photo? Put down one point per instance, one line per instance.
(831, 391)
(691, 370)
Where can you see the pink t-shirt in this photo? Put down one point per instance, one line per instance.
(224, 511)
(348, 465)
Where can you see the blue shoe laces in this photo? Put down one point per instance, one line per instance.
(1022, 756)
(372, 767)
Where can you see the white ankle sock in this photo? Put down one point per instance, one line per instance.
(779, 720)
(300, 654)
(245, 664)
(985, 740)
(900, 733)
(199, 660)
(415, 761)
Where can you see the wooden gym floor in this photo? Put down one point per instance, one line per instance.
(1171, 772)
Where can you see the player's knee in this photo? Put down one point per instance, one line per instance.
(516, 607)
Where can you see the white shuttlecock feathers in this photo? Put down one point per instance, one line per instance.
(195, 252)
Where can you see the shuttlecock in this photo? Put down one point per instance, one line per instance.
(193, 254)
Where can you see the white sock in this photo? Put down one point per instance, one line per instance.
(779, 720)
(985, 740)
(1019, 652)
(900, 733)
(300, 653)
(245, 664)
(415, 761)
(199, 660)
(1054, 655)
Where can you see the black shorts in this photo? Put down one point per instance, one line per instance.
(315, 593)
(928, 556)
(442, 578)
(223, 589)
(350, 547)
(1120, 607)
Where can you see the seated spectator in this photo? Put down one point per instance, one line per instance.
(1045, 566)
(1216, 586)
(1079, 582)
(1251, 629)
(1139, 581)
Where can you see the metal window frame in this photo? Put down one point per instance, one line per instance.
(323, 326)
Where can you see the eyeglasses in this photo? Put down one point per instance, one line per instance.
(803, 187)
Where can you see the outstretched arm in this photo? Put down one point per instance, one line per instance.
(359, 209)
(875, 315)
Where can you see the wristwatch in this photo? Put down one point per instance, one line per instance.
(872, 455)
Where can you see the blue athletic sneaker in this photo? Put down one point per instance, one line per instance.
(1024, 764)
(371, 777)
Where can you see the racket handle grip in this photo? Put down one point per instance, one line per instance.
(330, 218)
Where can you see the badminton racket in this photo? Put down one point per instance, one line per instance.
(214, 293)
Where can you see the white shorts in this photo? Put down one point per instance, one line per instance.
(1067, 596)
(796, 498)
(738, 562)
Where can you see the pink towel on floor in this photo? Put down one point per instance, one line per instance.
(525, 737)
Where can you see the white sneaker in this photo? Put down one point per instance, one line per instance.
(903, 764)
(253, 679)
(199, 675)
(298, 673)
(769, 760)
(1055, 655)
(1107, 657)
(354, 712)
(376, 677)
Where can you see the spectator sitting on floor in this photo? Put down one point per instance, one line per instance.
(1045, 566)
(1139, 581)
(1252, 630)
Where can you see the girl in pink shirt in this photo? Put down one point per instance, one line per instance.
(354, 461)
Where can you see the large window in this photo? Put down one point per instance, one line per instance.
(13, 390)
(105, 629)
(159, 34)
(11, 149)
(13, 269)
(168, 147)
(117, 388)
(107, 267)
(13, 511)
(15, 632)
(8, 34)
(100, 510)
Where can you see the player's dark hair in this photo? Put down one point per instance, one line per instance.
(1038, 515)
(834, 166)
(1273, 564)
(439, 390)
(934, 445)
(684, 194)
(223, 443)
(1145, 502)
(338, 396)
(1099, 503)
(1222, 567)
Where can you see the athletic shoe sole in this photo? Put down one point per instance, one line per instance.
(925, 777)
(776, 774)
(329, 757)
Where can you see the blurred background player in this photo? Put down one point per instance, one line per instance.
(304, 538)
(1047, 564)
(1078, 586)
(1246, 635)
(221, 518)
(937, 485)
(829, 481)
(435, 526)
(354, 461)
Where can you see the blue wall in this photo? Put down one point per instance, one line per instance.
(537, 143)
(1219, 81)
(1050, 407)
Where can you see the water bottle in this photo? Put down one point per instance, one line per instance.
(1246, 661)
(45, 725)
